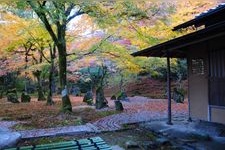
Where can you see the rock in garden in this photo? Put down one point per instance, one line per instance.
(131, 144)
(113, 97)
(117, 147)
(25, 98)
(118, 105)
(149, 145)
(122, 96)
(12, 97)
(163, 141)
(9, 139)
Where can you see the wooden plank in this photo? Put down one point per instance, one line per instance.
(11, 149)
(88, 145)
(95, 143)
(107, 148)
(56, 145)
(96, 139)
(67, 148)
(26, 148)
(84, 141)
(100, 143)
(89, 148)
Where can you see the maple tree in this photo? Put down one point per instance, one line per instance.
(132, 25)
(34, 46)
(59, 13)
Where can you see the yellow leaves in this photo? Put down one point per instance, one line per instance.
(9, 31)
(18, 31)
(187, 10)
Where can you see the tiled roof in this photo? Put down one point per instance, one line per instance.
(210, 17)
(211, 11)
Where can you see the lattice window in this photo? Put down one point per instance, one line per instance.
(198, 66)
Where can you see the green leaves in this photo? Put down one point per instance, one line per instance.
(21, 4)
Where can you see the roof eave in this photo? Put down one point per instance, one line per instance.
(173, 46)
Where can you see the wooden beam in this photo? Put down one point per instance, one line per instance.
(169, 90)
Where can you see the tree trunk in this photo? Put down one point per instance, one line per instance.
(101, 101)
(66, 104)
(1, 92)
(51, 74)
(121, 82)
(41, 96)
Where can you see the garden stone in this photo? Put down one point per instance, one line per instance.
(12, 97)
(163, 141)
(31, 89)
(9, 139)
(117, 147)
(118, 105)
(25, 98)
(122, 96)
(131, 144)
(149, 145)
(113, 97)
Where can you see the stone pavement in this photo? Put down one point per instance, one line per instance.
(138, 109)
(8, 138)
(141, 109)
(196, 135)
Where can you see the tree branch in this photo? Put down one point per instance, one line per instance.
(78, 13)
(91, 52)
(43, 3)
(69, 9)
(40, 11)
(112, 54)
(45, 57)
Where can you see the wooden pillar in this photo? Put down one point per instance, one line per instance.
(188, 77)
(169, 90)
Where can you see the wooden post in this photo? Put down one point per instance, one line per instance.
(169, 90)
(189, 103)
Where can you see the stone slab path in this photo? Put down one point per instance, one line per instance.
(136, 110)
(141, 109)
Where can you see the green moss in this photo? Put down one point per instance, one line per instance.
(151, 136)
(6, 119)
(20, 127)
(107, 113)
(200, 137)
(48, 140)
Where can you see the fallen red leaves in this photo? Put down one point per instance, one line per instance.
(37, 114)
